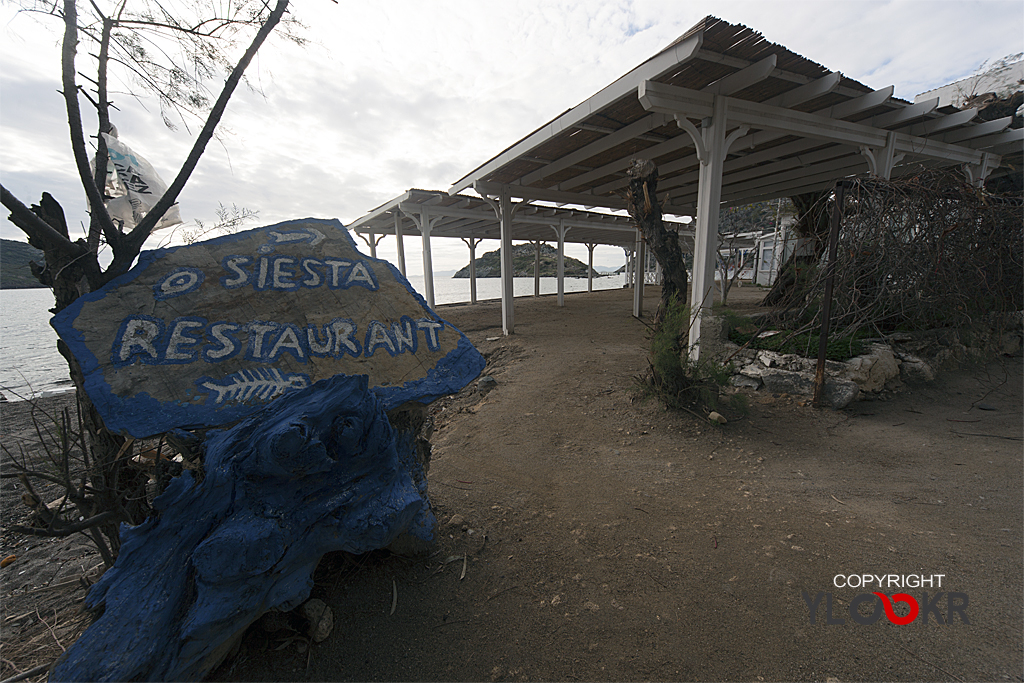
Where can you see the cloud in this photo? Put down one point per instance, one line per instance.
(395, 95)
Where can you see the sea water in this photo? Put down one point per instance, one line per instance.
(31, 366)
(29, 363)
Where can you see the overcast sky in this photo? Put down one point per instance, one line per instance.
(394, 95)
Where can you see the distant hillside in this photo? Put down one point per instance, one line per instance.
(489, 265)
(14, 271)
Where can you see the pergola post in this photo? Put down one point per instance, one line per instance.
(978, 173)
(505, 212)
(401, 245)
(536, 268)
(590, 267)
(560, 230)
(508, 321)
(426, 224)
(372, 240)
(709, 195)
(639, 272)
(882, 159)
(471, 242)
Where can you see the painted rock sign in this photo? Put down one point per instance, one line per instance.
(205, 334)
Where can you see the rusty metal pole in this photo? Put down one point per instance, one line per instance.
(826, 304)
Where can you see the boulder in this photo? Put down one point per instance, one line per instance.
(913, 369)
(872, 370)
(787, 382)
(745, 381)
(838, 393)
(318, 470)
(319, 617)
(753, 371)
(1009, 343)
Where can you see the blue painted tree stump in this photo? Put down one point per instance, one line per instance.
(320, 469)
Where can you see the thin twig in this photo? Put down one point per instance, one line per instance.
(62, 649)
(993, 436)
(28, 674)
(931, 664)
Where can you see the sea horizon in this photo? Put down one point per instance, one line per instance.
(31, 367)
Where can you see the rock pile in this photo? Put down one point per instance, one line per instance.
(889, 363)
(865, 376)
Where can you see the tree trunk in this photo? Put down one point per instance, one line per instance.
(646, 212)
(811, 223)
(113, 485)
(113, 492)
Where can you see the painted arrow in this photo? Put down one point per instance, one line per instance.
(312, 235)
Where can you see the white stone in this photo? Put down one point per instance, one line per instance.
(320, 619)
(743, 380)
(872, 370)
(754, 370)
(838, 393)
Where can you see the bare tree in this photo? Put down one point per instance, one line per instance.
(642, 202)
(146, 47)
(230, 219)
(733, 258)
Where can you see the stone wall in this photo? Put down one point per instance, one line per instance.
(889, 364)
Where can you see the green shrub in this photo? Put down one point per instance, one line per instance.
(674, 378)
(803, 344)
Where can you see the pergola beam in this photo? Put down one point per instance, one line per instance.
(780, 74)
(644, 125)
(1014, 135)
(744, 78)
(520, 192)
(674, 100)
(899, 116)
(980, 130)
(724, 86)
(849, 108)
(941, 123)
(458, 220)
(807, 91)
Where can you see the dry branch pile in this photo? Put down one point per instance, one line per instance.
(923, 252)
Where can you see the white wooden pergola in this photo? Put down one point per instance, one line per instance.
(429, 214)
(729, 118)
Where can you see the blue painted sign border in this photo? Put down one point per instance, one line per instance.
(141, 414)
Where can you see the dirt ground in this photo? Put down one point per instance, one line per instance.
(588, 536)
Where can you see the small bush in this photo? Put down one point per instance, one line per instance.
(673, 378)
(839, 348)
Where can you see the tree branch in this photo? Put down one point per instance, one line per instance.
(36, 228)
(62, 531)
(103, 112)
(193, 31)
(97, 208)
(142, 231)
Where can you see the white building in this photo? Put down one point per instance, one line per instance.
(997, 80)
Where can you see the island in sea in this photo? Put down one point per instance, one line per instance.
(523, 256)
(14, 270)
